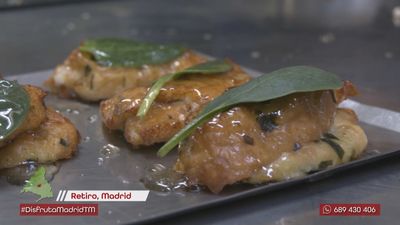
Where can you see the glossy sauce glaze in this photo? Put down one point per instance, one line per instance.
(237, 143)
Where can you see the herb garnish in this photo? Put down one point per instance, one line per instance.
(114, 52)
(273, 85)
(211, 67)
(335, 146)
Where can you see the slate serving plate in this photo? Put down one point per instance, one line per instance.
(90, 170)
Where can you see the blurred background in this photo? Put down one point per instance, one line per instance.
(357, 39)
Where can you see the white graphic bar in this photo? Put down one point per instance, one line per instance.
(59, 195)
(63, 196)
(102, 195)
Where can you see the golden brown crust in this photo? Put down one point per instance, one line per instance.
(36, 114)
(347, 90)
(116, 110)
(55, 139)
(81, 77)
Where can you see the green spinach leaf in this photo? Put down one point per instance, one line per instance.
(113, 52)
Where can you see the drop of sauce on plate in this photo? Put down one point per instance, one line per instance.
(162, 179)
(86, 139)
(92, 118)
(72, 111)
(109, 151)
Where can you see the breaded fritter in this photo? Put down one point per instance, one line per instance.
(177, 104)
(80, 76)
(271, 141)
(55, 139)
(36, 114)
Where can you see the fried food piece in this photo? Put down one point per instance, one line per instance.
(36, 114)
(177, 104)
(271, 141)
(55, 139)
(80, 76)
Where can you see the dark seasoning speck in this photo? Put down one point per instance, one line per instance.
(267, 121)
(248, 139)
(296, 146)
(88, 73)
(63, 142)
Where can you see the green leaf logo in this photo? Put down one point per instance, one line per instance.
(38, 184)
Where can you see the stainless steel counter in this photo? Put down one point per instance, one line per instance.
(359, 40)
